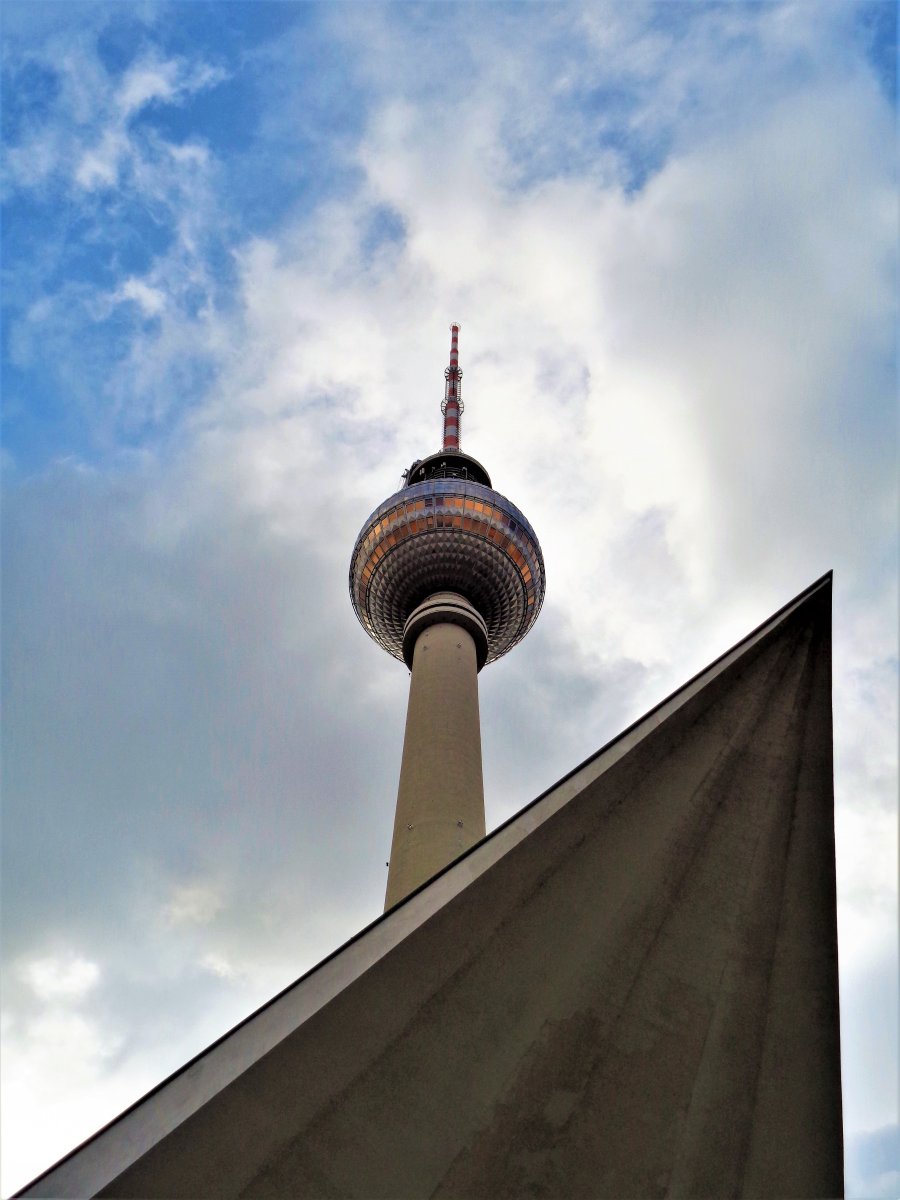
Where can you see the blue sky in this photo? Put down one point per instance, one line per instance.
(234, 236)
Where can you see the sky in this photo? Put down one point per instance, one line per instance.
(234, 238)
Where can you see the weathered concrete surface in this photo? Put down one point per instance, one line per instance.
(628, 990)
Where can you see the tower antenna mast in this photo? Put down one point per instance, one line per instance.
(452, 406)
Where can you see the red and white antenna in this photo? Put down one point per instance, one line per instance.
(452, 405)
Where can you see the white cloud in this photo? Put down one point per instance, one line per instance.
(57, 1036)
(55, 1064)
(218, 965)
(151, 300)
(190, 152)
(60, 978)
(195, 903)
(87, 137)
(99, 166)
(153, 79)
(145, 81)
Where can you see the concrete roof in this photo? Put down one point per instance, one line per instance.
(630, 989)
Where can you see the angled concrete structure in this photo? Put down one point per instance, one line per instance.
(630, 989)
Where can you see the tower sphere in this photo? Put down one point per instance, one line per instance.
(447, 530)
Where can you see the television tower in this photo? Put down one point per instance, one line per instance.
(446, 575)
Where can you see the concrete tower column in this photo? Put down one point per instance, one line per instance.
(440, 801)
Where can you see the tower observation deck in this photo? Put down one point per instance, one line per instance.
(446, 575)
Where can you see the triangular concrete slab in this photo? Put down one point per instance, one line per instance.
(630, 989)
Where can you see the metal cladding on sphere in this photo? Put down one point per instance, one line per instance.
(447, 535)
(447, 530)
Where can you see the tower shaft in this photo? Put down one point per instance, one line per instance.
(440, 800)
